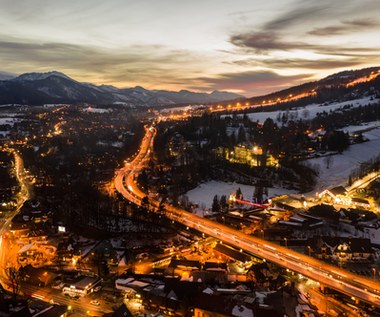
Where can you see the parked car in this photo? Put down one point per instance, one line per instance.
(59, 285)
(97, 288)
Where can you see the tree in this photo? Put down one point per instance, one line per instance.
(241, 135)
(223, 203)
(145, 203)
(239, 194)
(306, 113)
(338, 141)
(215, 204)
(14, 277)
(100, 261)
(185, 202)
(258, 194)
(142, 179)
(328, 161)
(161, 207)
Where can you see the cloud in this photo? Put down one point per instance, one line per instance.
(262, 42)
(346, 27)
(302, 11)
(262, 45)
(292, 63)
(291, 28)
(250, 82)
(148, 65)
(266, 42)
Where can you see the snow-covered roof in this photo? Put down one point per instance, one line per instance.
(242, 311)
(208, 291)
(25, 248)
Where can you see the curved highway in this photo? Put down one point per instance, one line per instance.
(351, 284)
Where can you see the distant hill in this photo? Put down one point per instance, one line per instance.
(56, 87)
(348, 84)
(6, 76)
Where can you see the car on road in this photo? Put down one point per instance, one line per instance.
(58, 285)
(74, 297)
(97, 288)
(95, 302)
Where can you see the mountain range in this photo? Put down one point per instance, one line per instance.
(56, 87)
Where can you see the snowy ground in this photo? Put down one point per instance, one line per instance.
(204, 193)
(309, 111)
(365, 126)
(9, 120)
(341, 165)
(96, 110)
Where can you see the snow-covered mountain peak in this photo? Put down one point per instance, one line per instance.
(40, 76)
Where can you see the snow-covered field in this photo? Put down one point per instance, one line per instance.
(341, 165)
(309, 111)
(204, 193)
(96, 110)
(9, 120)
(365, 126)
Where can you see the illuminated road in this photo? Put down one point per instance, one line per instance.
(129, 190)
(79, 306)
(24, 193)
(363, 182)
(328, 275)
(22, 196)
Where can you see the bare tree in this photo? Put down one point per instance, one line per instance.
(14, 277)
(328, 161)
(306, 113)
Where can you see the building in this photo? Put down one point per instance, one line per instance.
(336, 195)
(82, 286)
(361, 203)
(339, 195)
(209, 305)
(341, 249)
(122, 311)
(242, 258)
(54, 311)
(249, 155)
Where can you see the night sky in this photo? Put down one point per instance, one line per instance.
(245, 46)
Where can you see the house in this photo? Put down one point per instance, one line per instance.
(54, 311)
(37, 276)
(122, 311)
(174, 298)
(336, 195)
(341, 249)
(339, 195)
(242, 258)
(82, 286)
(361, 203)
(209, 305)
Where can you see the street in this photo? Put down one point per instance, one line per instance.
(327, 275)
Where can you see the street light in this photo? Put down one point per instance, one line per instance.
(286, 242)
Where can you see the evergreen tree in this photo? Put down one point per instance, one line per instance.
(239, 194)
(223, 203)
(241, 135)
(215, 204)
(259, 191)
